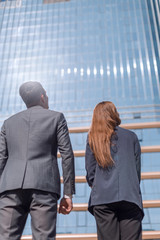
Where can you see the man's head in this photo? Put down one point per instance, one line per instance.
(33, 94)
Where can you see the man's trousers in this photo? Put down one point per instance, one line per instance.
(118, 221)
(14, 208)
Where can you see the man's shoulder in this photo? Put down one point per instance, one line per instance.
(26, 114)
(55, 114)
(16, 115)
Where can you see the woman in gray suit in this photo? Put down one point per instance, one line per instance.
(113, 172)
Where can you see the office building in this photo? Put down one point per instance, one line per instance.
(84, 52)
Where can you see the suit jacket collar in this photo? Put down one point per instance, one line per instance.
(35, 107)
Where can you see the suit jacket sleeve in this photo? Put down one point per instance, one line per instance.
(65, 149)
(90, 164)
(138, 158)
(3, 149)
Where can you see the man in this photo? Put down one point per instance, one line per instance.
(29, 175)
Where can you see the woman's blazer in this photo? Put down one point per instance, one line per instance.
(120, 182)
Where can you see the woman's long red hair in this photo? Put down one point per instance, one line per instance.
(105, 119)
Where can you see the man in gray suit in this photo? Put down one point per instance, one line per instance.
(29, 174)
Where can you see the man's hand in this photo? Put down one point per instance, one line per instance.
(65, 206)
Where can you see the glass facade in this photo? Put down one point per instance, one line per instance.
(83, 52)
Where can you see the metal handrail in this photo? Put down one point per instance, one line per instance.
(144, 149)
(144, 175)
(127, 126)
(146, 204)
(150, 175)
(93, 236)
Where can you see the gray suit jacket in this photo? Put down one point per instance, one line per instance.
(122, 181)
(28, 152)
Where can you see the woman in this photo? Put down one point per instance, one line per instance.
(113, 172)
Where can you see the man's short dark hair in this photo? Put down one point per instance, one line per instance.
(31, 93)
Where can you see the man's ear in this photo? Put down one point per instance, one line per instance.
(42, 98)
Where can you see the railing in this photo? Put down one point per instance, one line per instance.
(127, 126)
(144, 175)
(93, 236)
(144, 149)
(146, 204)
